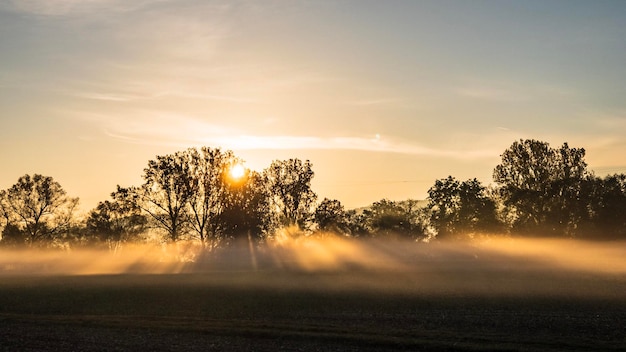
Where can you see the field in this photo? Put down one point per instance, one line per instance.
(429, 299)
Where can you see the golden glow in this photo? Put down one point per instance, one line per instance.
(237, 171)
(492, 266)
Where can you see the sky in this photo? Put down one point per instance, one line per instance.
(384, 97)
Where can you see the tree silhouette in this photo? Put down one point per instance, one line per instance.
(115, 222)
(5, 209)
(38, 207)
(191, 194)
(459, 208)
(358, 223)
(165, 194)
(246, 213)
(607, 206)
(208, 168)
(13, 236)
(541, 186)
(331, 216)
(387, 218)
(289, 184)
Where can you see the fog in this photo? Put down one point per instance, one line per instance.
(489, 265)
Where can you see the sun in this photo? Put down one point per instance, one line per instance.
(237, 171)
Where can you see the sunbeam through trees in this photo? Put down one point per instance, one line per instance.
(192, 195)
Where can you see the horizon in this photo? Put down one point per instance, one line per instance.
(383, 98)
(83, 211)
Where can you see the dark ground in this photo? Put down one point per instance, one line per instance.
(457, 308)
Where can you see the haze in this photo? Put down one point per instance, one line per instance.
(494, 266)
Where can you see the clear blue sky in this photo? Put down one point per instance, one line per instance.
(384, 97)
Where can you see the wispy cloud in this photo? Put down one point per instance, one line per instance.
(109, 96)
(136, 83)
(129, 97)
(503, 91)
(493, 94)
(184, 131)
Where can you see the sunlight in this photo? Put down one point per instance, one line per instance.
(237, 171)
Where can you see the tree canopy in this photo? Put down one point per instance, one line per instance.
(289, 183)
(193, 195)
(459, 208)
(36, 210)
(541, 187)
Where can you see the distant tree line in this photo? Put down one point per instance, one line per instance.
(539, 191)
(192, 195)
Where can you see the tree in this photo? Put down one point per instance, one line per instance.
(444, 202)
(607, 206)
(541, 186)
(39, 208)
(358, 223)
(246, 213)
(289, 184)
(5, 210)
(166, 193)
(389, 218)
(209, 173)
(459, 208)
(115, 222)
(331, 216)
(13, 236)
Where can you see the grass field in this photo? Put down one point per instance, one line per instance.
(441, 303)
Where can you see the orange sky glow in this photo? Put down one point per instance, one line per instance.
(383, 97)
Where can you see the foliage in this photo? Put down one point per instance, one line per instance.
(190, 194)
(331, 216)
(209, 188)
(115, 222)
(541, 187)
(165, 194)
(607, 207)
(358, 223)
(389, 218)
(37, 210)
(289, 185)
(246, 208)
(459, 208)
(13, 236)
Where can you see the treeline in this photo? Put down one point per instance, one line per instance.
(197, 195)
